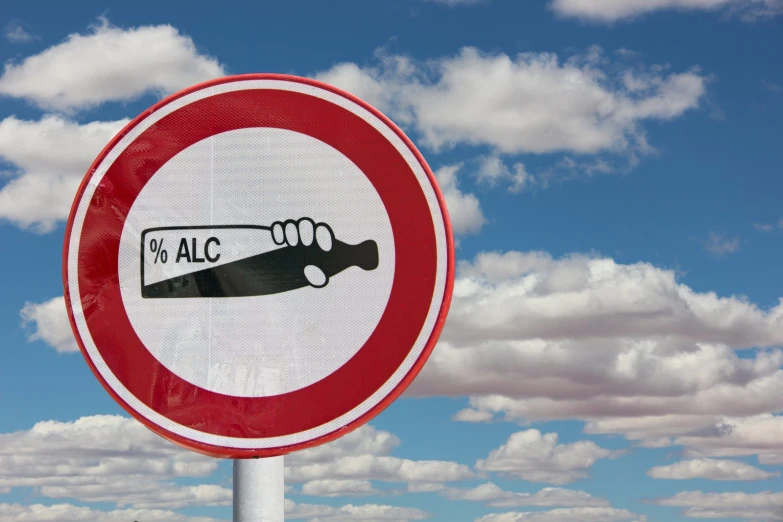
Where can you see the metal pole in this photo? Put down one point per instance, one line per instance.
(259, 490)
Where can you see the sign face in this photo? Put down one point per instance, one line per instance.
(258, 264)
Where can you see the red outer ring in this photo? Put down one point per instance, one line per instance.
(294, 411)
(219, 451)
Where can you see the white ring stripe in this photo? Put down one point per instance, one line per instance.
(294, 438)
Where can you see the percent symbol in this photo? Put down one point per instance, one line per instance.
(157, 248)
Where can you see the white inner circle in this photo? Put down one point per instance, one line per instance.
(261, 345)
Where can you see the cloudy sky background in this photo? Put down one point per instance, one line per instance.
(612, 169)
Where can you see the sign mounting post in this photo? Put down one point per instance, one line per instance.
(257, 265)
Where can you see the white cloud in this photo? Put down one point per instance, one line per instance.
(425, 487)
(355, 80)
(116, 460)
(108, 64)
(758, 506)
(346, 466)
(492, 169)
(537, 457)
(366, 512)
(71, 513)
(636, 388)
(305, 511)
(51, 324)
(614, 10)
(577, 514)
(51, 156)
(15, 33)
(374, 512)
(492, 495)
(760, 435)
(464, 209)
(141, 492)
(105, 459)
(338, 488)
(772, 459)
(532, 102)
(628, 348)
(471, 415)
(712, 469)
(366, 440)
(524, 296)
(371, 467)
(112, 459)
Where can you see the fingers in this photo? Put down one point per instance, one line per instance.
(304, 231)
(291, 233)
(278, 235)
(324, 236)
(308, 234)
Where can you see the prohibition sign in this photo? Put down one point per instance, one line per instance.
(257, 265)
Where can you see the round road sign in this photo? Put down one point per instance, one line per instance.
(258, 264)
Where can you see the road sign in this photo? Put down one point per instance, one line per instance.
(258, 264)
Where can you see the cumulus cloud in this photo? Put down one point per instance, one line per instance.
(338, 488)
(636, 388)
(105, 459)
(366, 440)
(345, 466)
(537, 457)
(51, 324)
(712, 469)
(493, 169)
(749, 506)
(628, 348)
(464, 209)
(578, 514)
(530, 295)
(138, 491)
(366, 512)
(113, 459)
(371, 467)
(614, 10)
(531, 102)
(108, 64)
(760, 435)
(71, 513)
(492, 495)
(49, 158)
(293, 511)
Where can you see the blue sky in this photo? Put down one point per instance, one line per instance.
(613, 172)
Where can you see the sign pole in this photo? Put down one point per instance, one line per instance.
(259, 490)
(259, 482)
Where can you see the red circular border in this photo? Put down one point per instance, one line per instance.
(233, 422)
(220, 414)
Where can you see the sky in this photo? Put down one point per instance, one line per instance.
(612, 173)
